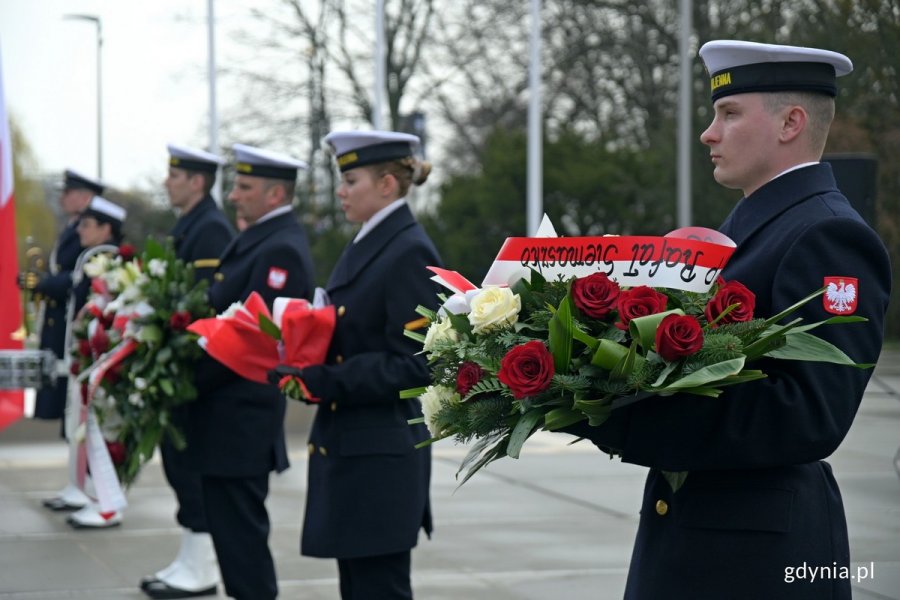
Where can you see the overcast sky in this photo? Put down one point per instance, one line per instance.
(155, 86)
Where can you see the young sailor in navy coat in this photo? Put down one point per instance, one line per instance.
(235, 430)
(55, 288)
(200, 235)
(759, 501)
(367, 493)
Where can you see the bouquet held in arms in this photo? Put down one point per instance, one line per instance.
(133, 353)
(584, 329)
(252, 341)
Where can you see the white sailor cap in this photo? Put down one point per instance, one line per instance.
(191, 159)
(737, 67)
(359, 148)
(265, 163)
(104, 211)
(73, 180)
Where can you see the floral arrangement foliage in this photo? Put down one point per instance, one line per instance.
(132, 350)
(509, 361)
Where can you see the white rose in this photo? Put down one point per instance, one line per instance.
(438, 332)
(140, 383)
(494, 308)
(435, 398)
(135, 399)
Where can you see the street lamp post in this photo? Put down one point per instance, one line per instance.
(96, 21)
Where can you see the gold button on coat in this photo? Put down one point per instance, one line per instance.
(339, 359)
(661, 507)
(333, 406)
(323, 451)
(50, 321)
(341, 311)
(311, 448)
(219, 277)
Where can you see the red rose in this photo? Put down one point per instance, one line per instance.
(99, 341)
(731, 292)
(126, 251)
(180, 320)
(595, 295)
(469, 374)
(527, 369)
(678, 336)
(637, 302)
(117, 452)
(84, 348)
(75, 368)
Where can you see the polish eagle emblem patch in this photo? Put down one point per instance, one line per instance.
(841, 295)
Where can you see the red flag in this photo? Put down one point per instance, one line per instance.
(11, 401)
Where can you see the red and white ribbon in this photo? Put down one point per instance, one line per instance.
(688, 259)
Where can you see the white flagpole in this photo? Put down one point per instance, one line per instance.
(534, 201)
(684, 114)
(380, 74)
(213, 110)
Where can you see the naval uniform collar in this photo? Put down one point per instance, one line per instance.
(778, 195)
(377, 218)
(272, 214)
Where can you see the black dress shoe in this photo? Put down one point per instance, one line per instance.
(147, 580)
(58, 504)
(160, 589)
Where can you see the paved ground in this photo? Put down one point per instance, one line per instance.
(558, 523)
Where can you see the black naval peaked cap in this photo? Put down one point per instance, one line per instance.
(353, 149)
(192, 159)
(738, 67)
(265, 163)
(73, 180)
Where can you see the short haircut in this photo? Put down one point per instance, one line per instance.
(819, 108)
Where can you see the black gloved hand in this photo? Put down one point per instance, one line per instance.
(280, 371)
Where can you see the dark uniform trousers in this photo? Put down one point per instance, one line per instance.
(360, 440)
(384, 576)
(200, 237)
(55, 289)
(236, 427)
(758, 499)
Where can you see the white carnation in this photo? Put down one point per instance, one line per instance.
(157, 267)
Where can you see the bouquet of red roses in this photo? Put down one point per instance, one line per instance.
(507, 361)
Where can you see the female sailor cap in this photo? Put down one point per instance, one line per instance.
(738, 67)
(353, 149)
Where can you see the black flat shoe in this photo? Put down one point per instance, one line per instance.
(162, 590)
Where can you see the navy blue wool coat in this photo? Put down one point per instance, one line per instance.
(236, 426)
(759, 499)
(368, 485)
